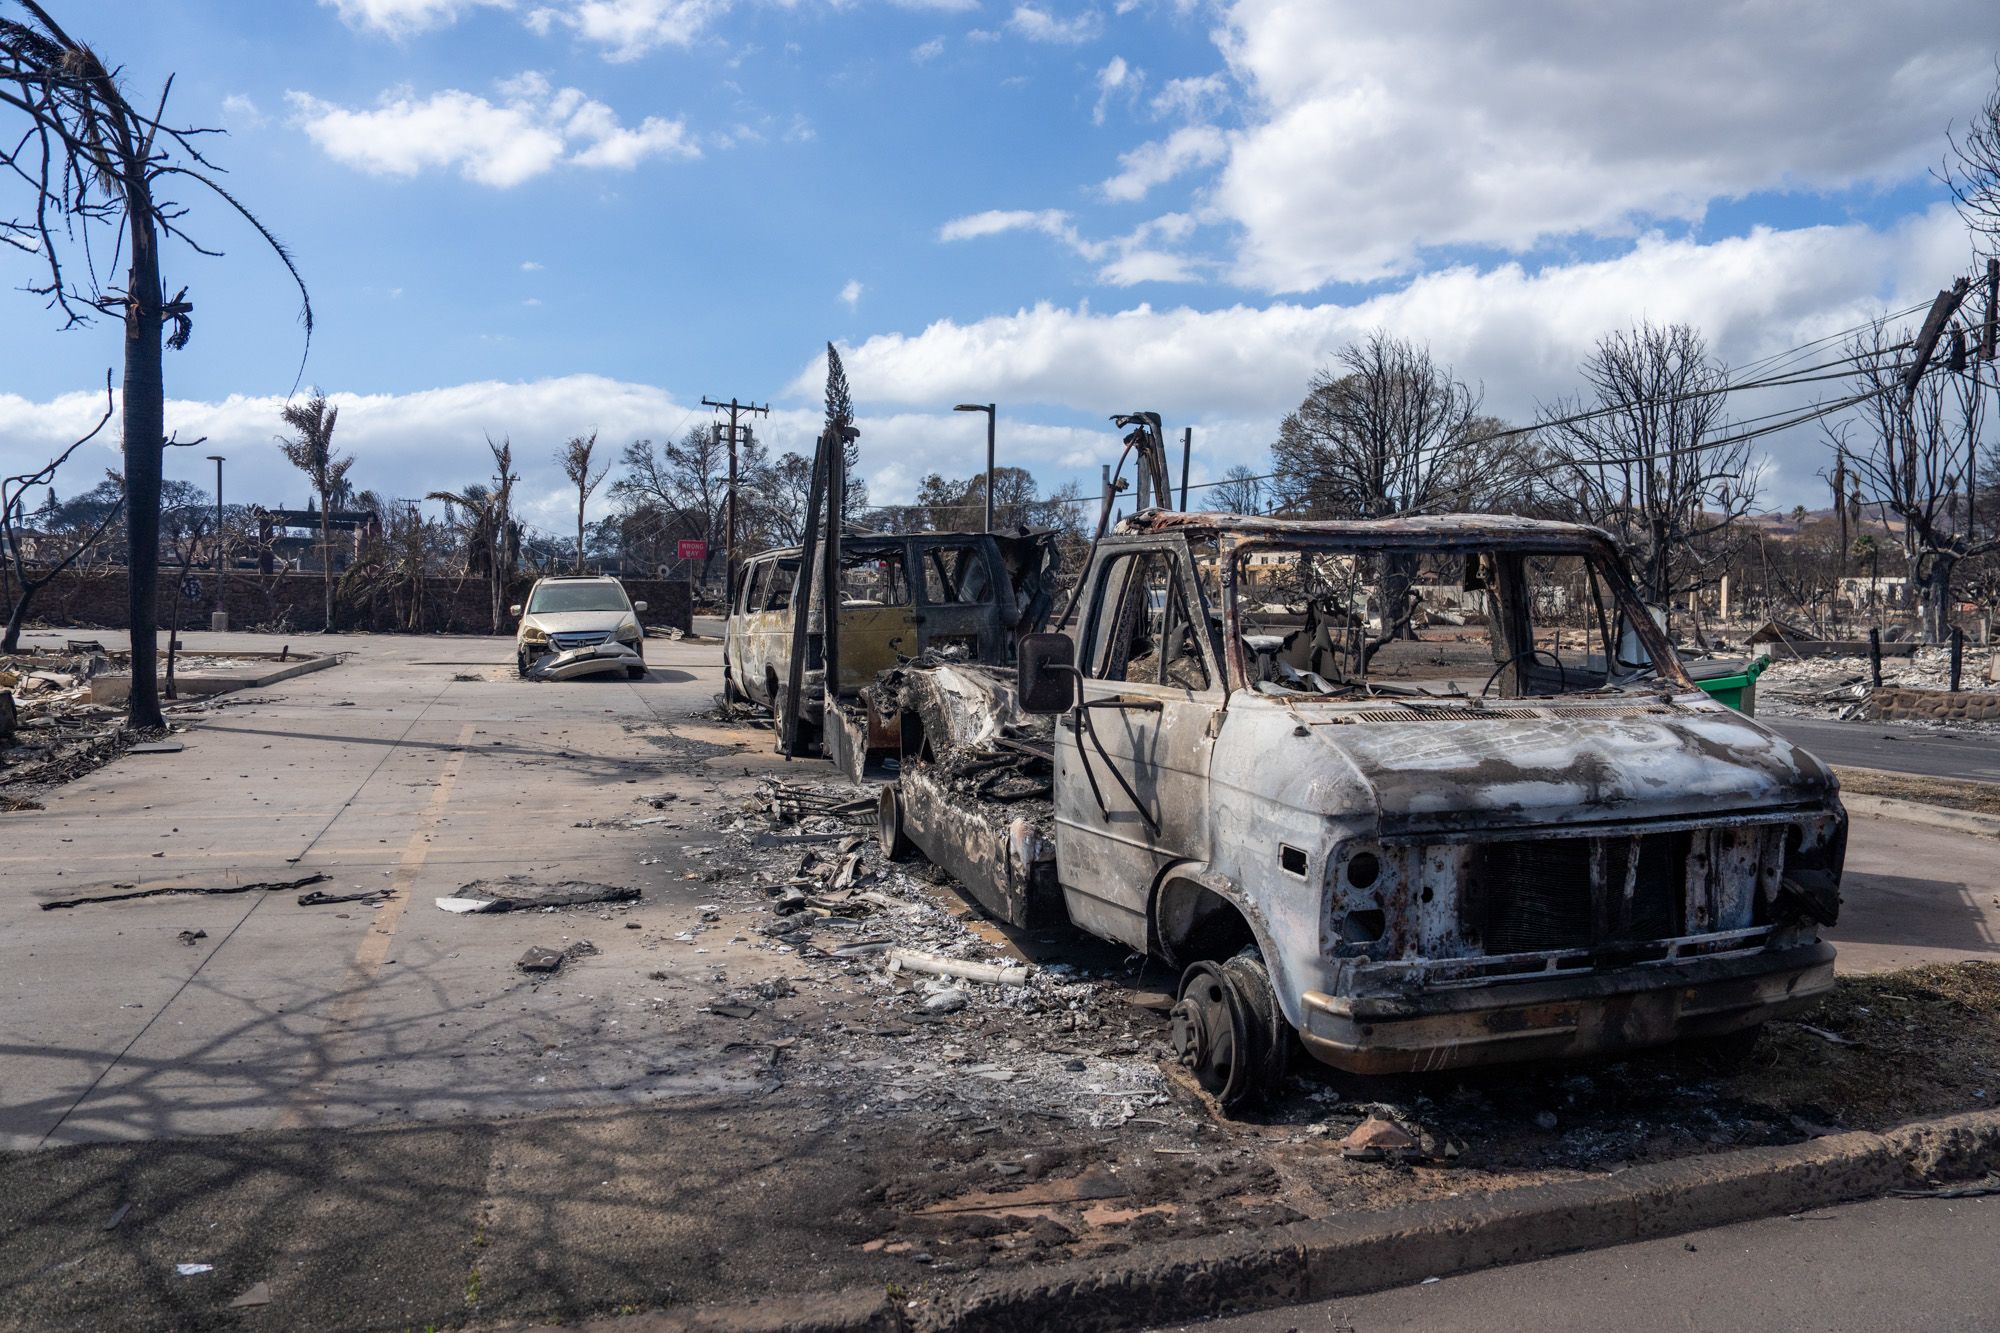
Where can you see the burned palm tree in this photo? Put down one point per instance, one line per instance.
(96, 169)
(574, 459)
(492, 538)
(310, 450)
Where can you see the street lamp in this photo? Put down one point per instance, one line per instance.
(218, 619)
(990, 411)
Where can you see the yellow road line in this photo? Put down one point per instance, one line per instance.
(374, 947)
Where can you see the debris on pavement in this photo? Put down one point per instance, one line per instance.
(260, 886)
(518, 893)
(188, 937)
(190, 1270)
(317, 899)
(259, 1294)
(994, 974)
(1376, 1139)
(538, 959)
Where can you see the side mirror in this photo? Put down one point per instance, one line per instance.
(515, 610)
(638, 607)
(1045, 673)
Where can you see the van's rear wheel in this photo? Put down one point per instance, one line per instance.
(1228, 1032)
(889, 835)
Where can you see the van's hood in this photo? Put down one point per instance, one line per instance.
(577, 622)
(1522, 765)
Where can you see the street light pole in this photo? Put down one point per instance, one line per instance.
(218, 619)
(991, 411)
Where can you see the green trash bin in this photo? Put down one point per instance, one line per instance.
(1730, 681)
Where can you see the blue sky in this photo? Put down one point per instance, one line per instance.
(536, 217)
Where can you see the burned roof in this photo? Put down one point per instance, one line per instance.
(1406, 529)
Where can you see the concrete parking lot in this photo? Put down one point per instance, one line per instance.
(234, 1066)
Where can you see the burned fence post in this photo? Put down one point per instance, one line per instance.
(1957, 656)
(1875, 656)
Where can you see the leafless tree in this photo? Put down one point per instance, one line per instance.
(1240, 492)
(310, 450)
(1391, 431)
(485, 516)
(13, 521)
(95, 167)
(687, 484)
(187, 529)
(574, 460)
(1971, 171)
(1916, 456)
(1651, 464)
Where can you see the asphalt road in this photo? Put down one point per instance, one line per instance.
(1897, 749)
(1873, 1267)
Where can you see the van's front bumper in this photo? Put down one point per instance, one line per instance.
(1586, 1013)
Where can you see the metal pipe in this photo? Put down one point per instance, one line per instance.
(221, 552)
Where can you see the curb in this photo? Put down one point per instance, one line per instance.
(1917, 812)
(1345, 1256)
(1330, 1257)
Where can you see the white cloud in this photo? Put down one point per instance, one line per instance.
(1039, 25)
(241, 113)
(995, 221)
(1116, 80)
(1520, 333)
(1192, 98)
(851, 293)
(1381, 130)
(530, 266)
(531, 130)
(401, 18)
(628, 29)
(1156, 163)
(928, 51)
(1132, 256)
(937, 6)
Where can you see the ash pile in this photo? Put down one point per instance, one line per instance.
(50, 730)
(957, 1024)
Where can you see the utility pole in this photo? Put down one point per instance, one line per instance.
(729, 533)
(991, 410)
(1187, 452)
(218, 619)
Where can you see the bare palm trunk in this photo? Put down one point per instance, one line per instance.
(582, 495)
(326, 559)
(145, 432)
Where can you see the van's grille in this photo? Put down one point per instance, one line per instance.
(1575, 893)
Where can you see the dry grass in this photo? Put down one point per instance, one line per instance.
(1978, 797)
(1926, 1042)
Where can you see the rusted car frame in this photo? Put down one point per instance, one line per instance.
(1406, 873)
(966, 595)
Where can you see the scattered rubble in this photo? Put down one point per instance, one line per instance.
(1838, 688)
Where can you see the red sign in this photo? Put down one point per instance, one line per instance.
(693, 549)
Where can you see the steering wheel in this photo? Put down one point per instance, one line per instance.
(1562, 674)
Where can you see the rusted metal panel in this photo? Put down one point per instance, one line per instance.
(1003, 859)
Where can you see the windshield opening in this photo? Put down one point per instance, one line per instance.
(1454, 623)
(556, 598)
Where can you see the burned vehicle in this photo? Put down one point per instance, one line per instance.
(953, 595)
(1426, 792)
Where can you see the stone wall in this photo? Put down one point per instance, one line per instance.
(1887, 705)
(296, 602)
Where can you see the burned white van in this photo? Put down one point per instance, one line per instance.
(1426, 792)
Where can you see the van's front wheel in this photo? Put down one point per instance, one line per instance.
(1228, 1032)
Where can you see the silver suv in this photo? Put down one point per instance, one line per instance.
(575, 625)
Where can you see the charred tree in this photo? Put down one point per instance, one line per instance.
(574, 460)
(13, 531)
(92, 163)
